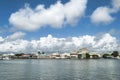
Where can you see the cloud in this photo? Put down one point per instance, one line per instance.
(104, 14)
(114, 32)
(116, 5)
(1, 39)
(106, 43)
(102, 43)
(1, 30)
(55, 16)
(14, 46)
(4, 28)
(15, 36)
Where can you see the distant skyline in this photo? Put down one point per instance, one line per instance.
(59, 25)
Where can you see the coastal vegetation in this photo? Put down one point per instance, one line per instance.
(87, 56)
(106, 55)
(115, 54)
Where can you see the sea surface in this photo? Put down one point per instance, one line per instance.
(94, 69)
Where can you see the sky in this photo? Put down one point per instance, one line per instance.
(59, 25)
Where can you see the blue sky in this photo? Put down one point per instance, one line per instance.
(92, 17)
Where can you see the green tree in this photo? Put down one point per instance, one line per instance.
(94, 56)
(115, 54)
(87, 56)
(18, 55)
(39, 52)
(105, 55)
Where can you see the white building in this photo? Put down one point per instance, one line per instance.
(55, 56)
(94, 55)
(80, 54)
(7, 56)
(65, 56)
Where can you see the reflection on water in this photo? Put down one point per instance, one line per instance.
(101, 69)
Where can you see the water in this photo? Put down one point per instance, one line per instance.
(101, 69)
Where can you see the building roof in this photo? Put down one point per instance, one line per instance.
(80, 51)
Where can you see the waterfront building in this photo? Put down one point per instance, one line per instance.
(94, 55)
(25, 56)
(34, 56)
(74, 55)
(65, 56)
(79, 54)
(5, 57)
(55, 56)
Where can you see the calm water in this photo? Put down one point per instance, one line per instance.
(102, 69)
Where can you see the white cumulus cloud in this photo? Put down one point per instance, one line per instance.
(15, 36)
(55, 16)
(104, 14)
(116, 5)
(1, 39)
(106, 43)
(102, 43)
